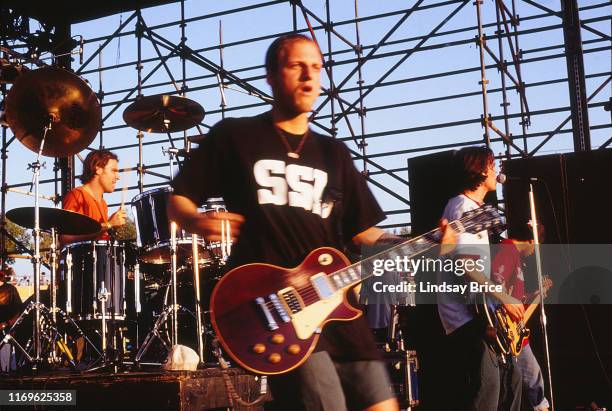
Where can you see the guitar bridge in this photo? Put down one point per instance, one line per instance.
(291, 299)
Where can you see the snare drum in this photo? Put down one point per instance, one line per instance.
(153, 229)
(85, 266)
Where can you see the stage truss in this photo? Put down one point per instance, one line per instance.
(402, 79)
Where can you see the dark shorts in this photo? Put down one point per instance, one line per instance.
(323, 384)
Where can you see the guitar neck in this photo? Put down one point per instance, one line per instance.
(362, 270)
(531, 308)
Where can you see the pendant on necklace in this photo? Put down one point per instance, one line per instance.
(293, 155)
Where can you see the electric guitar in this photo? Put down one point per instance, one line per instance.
(508, 336)
(269, 318)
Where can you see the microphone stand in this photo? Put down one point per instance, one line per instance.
(536, 244)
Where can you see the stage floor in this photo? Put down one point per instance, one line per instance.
(141, 391)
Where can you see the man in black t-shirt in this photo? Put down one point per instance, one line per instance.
(288, 191)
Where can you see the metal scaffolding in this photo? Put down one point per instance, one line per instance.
(400, 81)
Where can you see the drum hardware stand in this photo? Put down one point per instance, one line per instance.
(174, 334)
(103, 295)
(52, 335)
(37, 359)
(173, 251)
(137, 305)
(155, 333)
(110, 355)
(198, 308)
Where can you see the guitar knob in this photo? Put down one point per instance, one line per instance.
(258, 348)
(325, 259)
(293, 349)
(277, 339)
(274, 358)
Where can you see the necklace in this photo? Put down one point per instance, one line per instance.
(290, 151)
(91, 193)
(478, 203)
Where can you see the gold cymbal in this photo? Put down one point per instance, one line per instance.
(163, 113)
(57, 96)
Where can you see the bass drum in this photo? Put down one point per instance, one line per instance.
(160, 297)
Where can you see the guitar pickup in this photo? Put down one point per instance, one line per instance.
(261, 303)
(278, 306)
(322, 285)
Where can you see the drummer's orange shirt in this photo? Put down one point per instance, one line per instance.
(80, 201)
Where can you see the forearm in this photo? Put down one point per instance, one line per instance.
(480, 278)
(388, 239)
(375, 236)
(184, 212)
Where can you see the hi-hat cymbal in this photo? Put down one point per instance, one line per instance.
(64, 221)
(56, 95)
(163, 113)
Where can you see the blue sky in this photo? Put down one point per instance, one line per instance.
(278, 18)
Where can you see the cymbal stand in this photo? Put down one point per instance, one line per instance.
(49, 331)
(173, 258)
(53, 290)
(169, 313)
(36, 166)
(198, 307)
(173, 284)
(173, 309)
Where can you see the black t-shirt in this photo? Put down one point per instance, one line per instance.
(291, 206)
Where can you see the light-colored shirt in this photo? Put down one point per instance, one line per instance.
(454, 310)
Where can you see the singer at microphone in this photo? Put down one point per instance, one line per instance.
(502, 179)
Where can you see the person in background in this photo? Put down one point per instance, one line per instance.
(10, 309)
(480, 380)
(100, 176)
(509, 269)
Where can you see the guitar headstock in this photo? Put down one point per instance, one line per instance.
(485, 217)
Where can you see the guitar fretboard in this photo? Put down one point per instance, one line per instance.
(358, 272)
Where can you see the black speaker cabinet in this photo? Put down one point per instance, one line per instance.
(572, 196)
(432, 180)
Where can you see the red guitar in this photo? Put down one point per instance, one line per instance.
(268, 318)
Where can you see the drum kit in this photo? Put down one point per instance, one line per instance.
(96, 287)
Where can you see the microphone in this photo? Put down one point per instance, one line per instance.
(503, 179)
(81, 51)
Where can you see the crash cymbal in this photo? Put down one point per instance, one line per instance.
(163, 113)
(55, 94)
(64, 221)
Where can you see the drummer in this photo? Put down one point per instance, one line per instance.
(100, 175)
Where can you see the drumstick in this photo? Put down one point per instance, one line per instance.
(123, 190)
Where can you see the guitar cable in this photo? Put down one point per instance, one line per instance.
(232, 395)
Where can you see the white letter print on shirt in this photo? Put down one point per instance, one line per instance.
(295, 185)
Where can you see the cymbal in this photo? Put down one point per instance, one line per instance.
(64, 221)
(56, 95)
(163, 113)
